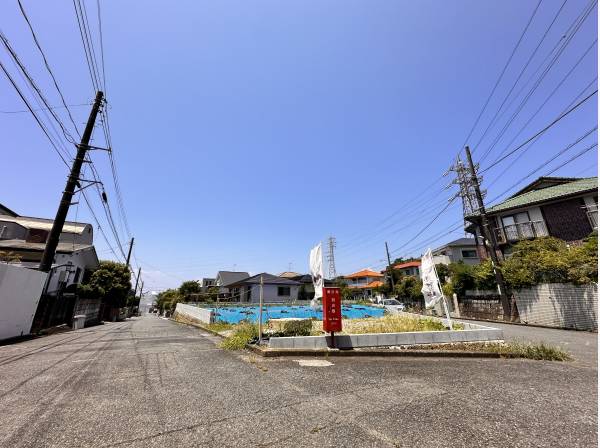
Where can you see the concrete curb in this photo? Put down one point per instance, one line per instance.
(271, 353)
(523, 324)
(274, 353)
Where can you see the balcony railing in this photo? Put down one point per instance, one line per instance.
(521, 231)
(592, 214)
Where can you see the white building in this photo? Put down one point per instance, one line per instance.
(275, 289)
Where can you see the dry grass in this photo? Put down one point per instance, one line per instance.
(511, 349)
(390, 323)
(220, 326)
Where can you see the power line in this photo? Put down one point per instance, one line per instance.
(39, 47)
(93, 75)
(512, 54)
(539, 81)
(576, 156)
(37, 119)
(32, 84)
(560, 117)
(530, 145)
(493, 120)
(40, 109)
(101, 43)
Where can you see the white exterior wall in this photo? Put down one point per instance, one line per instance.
(270, 294)
(78, 260)
(20, 291)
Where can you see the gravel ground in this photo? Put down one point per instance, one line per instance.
(151, 382)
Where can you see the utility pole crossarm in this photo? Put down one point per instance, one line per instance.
(67, 196)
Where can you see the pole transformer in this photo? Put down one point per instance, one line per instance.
(72, 182)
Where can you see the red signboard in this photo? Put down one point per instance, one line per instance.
(332, 310)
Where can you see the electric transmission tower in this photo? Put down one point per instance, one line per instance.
(466, 187)
(331, 257)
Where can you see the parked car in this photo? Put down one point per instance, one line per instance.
(393, 306)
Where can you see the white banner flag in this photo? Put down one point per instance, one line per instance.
(431, 284)
(316, 270)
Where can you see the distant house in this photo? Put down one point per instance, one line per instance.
(306, 284)
(364, 282)
(289, 274)
(206, 283)
(225, 278)
(565, 208)
(275, 289)
(460, 250)
(409, 268)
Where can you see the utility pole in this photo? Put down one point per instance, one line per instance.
(390, 268)
(260, 311)
(330, 257)
(488, 235)
(137, 280)
(72, 181)
(129, 253)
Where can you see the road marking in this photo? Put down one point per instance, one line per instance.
(314, 363)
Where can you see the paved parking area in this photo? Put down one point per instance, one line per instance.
(151, 382)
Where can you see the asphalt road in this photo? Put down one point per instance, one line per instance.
(582, 345)
(150, 382)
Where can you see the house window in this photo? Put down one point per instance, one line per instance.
(77, 274)
(469, 253)
(283, 291)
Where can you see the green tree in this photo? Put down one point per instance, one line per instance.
(583, 261)
(461, 277)
(409, 288)
(167, 300)
(188, 288)
(404, 260)
(550, 260)
(111, 281)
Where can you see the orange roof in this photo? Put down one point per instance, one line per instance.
(408, 264)
(373, 284)
(364, 273)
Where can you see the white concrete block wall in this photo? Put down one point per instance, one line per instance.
(194, 313)
(559, 305)
(20, 291)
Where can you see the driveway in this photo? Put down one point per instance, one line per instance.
(150, 382)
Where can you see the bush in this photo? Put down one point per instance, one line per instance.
(297, 328)
(550, 260)
(543, 260)
(242, 334)
(409, 287)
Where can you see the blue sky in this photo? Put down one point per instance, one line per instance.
(247, 131)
